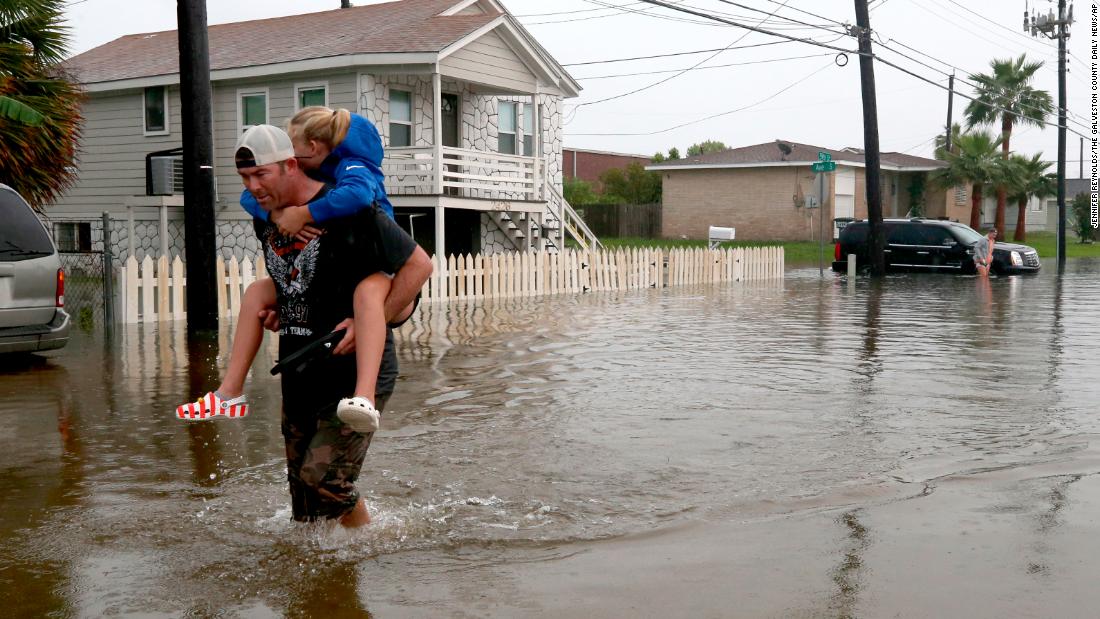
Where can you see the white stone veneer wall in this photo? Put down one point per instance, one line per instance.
(479, 129)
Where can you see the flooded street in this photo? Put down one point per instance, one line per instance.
(920, 446)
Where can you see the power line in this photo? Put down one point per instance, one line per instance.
(999, 25)
(773, 13)
(971, 84)
(712, 116)
(717, 66)
(912, 148)
(619, 11)
(819, 44)
(788, 37)
(669, 55)
(794, 8)
(671, 77)
(967, 30)
(551, 14)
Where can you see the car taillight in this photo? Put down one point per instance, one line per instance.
(61, 288)
(836, 252)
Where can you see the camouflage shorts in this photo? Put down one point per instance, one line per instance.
(323, 458)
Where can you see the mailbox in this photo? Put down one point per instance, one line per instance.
(717, 234)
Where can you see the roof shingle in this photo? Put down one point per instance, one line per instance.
(393, 27)
(770, 152)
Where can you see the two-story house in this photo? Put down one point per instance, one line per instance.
(468, 104)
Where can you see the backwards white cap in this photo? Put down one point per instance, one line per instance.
(261, 145)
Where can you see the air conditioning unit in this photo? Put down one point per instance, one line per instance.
(166, 175)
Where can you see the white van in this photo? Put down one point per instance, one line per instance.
(32, 284)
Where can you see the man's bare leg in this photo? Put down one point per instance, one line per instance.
(259, 295)
(357, 517)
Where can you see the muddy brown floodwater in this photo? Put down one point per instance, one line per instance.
(923, 446)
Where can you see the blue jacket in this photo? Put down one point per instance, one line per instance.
(354, 167)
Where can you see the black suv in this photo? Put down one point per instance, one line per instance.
(930, 245)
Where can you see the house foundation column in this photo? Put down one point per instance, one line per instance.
(437, 147)
(540, 173)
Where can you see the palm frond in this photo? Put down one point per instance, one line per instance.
(19, 112)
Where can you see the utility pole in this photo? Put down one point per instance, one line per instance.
(1057, 27)
(870, 139)
(950, 100)
(198, 166)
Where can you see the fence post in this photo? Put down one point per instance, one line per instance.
(147, 284)
(108, 273)
(178, 282)
(131, 295)
(163, 294)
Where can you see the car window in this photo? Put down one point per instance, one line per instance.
(21, 236)
(937, 235)
(904, 234)
(854, 234)
(966, 234)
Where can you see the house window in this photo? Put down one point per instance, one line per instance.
(1039, 205)
(251, 108)
(310, 95)
(528, 130)
(156, 110)
(506, 130)
(73, 236)
(400, 118)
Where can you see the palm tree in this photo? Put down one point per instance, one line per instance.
(941, 142)
(975, 163)
(1008, 97)
(1030, 180)
(40, 116)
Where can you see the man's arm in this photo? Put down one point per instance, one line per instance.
(407, 282)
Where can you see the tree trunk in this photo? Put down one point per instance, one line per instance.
(1021, 221)
(1002, 197)
(976, 206)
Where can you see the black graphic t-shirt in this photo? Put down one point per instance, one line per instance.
(314, 284)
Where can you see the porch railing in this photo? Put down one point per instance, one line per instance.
(465, 173)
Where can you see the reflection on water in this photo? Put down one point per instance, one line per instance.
(526, 423)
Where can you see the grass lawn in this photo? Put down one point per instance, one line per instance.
(794, 251)
(1046, 243)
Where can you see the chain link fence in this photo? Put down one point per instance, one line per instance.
(85, 297)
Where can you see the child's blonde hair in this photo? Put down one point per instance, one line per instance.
(321, 124)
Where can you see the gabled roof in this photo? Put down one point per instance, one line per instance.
(395, 29)
(786, 153)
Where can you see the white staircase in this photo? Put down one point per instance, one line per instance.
(543, 231)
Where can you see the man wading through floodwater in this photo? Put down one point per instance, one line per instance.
(314, 282)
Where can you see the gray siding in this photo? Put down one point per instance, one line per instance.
(489, 60)
(281, 101)
(111, 160)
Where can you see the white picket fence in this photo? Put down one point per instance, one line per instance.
(154, 290)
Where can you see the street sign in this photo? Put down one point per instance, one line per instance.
(824, 156)
(824, 166)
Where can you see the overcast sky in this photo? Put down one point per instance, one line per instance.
(809, 99)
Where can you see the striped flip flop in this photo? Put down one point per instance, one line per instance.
(210, 406)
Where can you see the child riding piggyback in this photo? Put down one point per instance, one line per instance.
(344, 150)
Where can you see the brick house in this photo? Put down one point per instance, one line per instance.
(763, 191)
(588, 165)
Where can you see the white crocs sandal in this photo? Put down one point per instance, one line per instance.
(359, 414)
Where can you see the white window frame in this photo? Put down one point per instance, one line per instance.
(298, 88)
(515, 133)
(528, 110)
(389, 134)
(145, 130)
(241, 94)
